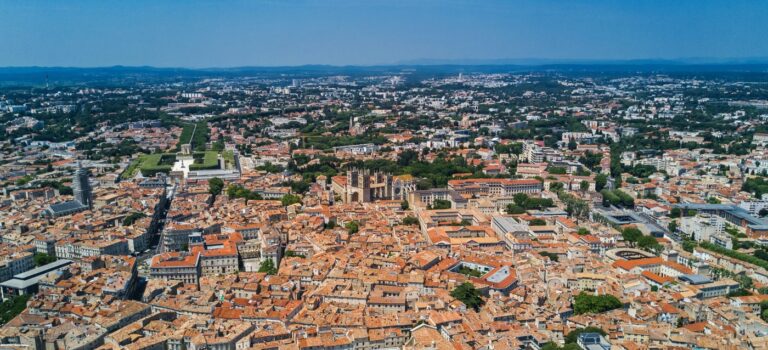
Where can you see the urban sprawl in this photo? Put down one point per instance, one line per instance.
(399, 209)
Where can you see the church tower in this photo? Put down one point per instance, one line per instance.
(81, 188)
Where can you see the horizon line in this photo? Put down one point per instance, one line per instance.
(426, 62)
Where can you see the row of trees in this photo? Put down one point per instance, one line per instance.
(617, 198)
(523, 202)
(734, 254)
(573, 205)
(197, 134)
(583, 303)
(756, 185)
(216, 185)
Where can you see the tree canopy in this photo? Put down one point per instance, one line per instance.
(215, 186)
(469, 295)
(592, 304)
(268, 267)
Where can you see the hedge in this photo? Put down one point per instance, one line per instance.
(734, 254)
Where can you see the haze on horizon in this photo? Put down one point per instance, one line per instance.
(194, 33)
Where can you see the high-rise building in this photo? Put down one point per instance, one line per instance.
(81, 187)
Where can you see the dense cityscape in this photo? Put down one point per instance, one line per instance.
(413, 208)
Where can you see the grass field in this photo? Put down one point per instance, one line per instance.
(151, 164)
(197, 134)
(131, 170)
(229, 158)
(205, 161)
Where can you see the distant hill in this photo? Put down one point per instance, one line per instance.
(121, 75)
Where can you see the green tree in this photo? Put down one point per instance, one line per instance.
(131, 218)
(764, 310)
(552, 256)
(688, 245)
(573, 336)
(572, 144)
(410, 220)
(441, 204)
(600, 181)
(584, 186)
(592, 304)
(407, 158)
(469, 271)
(238, 191)
(42, 259)
(567, 346)
(352, 227)
(557, 170)
(12, 307)
(631, 235)
(215, 185)
(299, 186)
(617, 197)
(268, 267)
(271, 168)
(289, 199)
(515, 209)
(291, 253)
(469, 295)
(423, 184)
(649, 243)
(672, 226)
(404, 205)
(550, 346)
(520, 199)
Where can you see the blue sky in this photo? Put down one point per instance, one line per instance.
(194, 33)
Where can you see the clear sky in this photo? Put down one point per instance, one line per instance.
(193, 33)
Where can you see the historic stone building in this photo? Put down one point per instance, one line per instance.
(81, 189)
(363, 186)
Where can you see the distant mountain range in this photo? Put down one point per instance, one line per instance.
(116, 75)
(552, 61)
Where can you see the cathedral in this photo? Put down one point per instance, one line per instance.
(355, 127)
(363, 186)
(81, 190)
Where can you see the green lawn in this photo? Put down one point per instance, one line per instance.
(205, 160)
(229, 157)
(152, 164)
(131, 170)
(197, 136)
